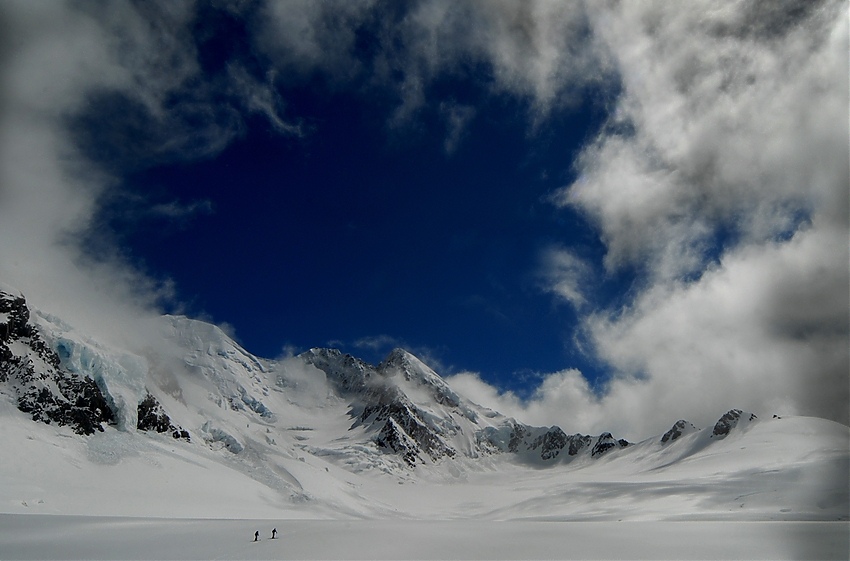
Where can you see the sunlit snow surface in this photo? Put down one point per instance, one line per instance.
(74, 537)
(773, 488)
(156, 498)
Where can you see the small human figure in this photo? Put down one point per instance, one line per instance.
(256, 535)
(274, 531)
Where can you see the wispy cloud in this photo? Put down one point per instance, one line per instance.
(175, 209)
(457, 118)
(565, 275)
(378, 343)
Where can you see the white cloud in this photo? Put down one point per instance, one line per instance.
(728, 136)
(565, 275)
(715, 128)
(722, 177)
(766, 331)
(472, 387)
(126, 77)
(59, 59)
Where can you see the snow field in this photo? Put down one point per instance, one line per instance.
(790, 469)
(26, 537)
(773, 488)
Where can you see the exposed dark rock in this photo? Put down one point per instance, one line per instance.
(604, 443)
(347, 374)
(518, 435)
(578, 442)
(393, 438)
(729, 421)
(397, 413)
(152, 416)
(399, 425)
(677, 430)
(551, 443)
(726, 422)
(45, 390)
(401, 361)
(402, 427)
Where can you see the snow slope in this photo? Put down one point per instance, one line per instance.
(325, 436)
(79, 537)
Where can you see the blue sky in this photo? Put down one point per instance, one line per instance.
(362, 233)
(365, 237)
(591, 215)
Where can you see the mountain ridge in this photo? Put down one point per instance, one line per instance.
(436, 423)
(309, 428)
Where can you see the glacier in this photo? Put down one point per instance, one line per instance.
(321, 438)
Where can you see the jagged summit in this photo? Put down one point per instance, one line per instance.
(400, 357)
(731, 420)
(680, 428)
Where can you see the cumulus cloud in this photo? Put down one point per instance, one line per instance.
(718, 127)
(54, 57)
(563, 398)
(767, 329)
(88, 92)
(722, 178)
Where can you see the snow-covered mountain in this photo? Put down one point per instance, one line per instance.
(192, 424)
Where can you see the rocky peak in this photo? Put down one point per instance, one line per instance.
(678, 429)
(151, 416)
(345, 372)
(605, 442)
(398, 425)
(32, 373)
(411, 369)
(545, 445)
(399, 358)
(729, 421)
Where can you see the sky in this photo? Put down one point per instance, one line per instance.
(598, 215)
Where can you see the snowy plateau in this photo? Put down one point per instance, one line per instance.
(183, 445)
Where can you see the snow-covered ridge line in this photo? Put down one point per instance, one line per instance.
(399, 407)
(194, 418)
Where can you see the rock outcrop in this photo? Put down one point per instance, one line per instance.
(33, 374)
(153, 417)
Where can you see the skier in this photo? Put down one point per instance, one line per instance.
(256, 535)
(274, 531)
